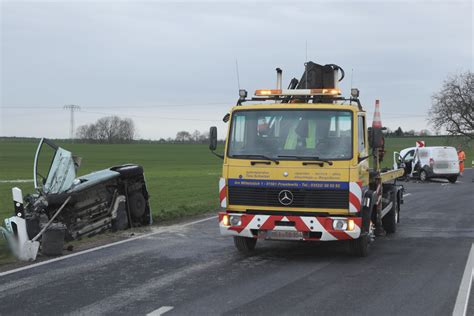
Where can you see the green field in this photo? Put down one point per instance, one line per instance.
(182, 178)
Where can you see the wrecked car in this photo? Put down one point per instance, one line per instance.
(428, 162)
(65, 207)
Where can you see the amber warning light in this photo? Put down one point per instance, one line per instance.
(296, 92)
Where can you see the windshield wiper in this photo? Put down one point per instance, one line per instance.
(316, 159)
(256, 156)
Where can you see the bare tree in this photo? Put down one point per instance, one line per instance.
(81, 132)
(425, 132)
(399, 132)
(204, 137)
(195, 135)
(183, 136)
(453, 106)
(109, 129)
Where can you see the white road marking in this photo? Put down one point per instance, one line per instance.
(460, 307)
(16, 181)
(406, 194)
(160, 311)
(165, 229)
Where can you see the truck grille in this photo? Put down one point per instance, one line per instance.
(302, 198)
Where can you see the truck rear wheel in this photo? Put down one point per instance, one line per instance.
(453, 179)
(245, 245)
(390, 220)
(360, 247)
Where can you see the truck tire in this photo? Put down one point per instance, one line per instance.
(245, 245)
(453, 179)
(390, 220)
(423, 175)
(360, 247)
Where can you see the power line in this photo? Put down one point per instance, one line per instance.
(119, 106)
(154, 117)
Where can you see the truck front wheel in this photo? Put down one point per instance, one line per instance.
(360, 246)
(245, 245)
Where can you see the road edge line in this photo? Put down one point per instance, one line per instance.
(462, 299)
(160, 311)
(34, 265)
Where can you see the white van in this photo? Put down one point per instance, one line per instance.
(429, 162)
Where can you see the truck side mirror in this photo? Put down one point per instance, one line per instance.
(213, 141)
(213, 138)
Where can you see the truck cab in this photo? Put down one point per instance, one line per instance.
(313, 151)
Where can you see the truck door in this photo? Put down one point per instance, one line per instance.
(362, 150)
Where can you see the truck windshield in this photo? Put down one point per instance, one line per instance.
(291, 134)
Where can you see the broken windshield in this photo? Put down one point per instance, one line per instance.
(326, 134)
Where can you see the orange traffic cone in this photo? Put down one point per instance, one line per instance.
(377, 121)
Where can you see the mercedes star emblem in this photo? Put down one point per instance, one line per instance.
(285, 197)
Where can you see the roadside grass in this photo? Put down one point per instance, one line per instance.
(182, 178)
(5, 255)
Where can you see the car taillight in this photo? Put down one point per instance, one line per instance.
(431, 162)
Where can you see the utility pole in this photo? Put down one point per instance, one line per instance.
(72, 108)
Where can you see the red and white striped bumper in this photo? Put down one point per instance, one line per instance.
(312, 227)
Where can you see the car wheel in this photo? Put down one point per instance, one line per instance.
(137, 205)
(245, 245)
(453, 179)
(423, 175)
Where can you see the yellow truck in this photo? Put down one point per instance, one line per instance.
(296, 166)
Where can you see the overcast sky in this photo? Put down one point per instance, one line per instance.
(171, 66)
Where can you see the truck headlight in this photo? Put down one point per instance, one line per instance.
(339, 224)
(343, 224)
(235, 220)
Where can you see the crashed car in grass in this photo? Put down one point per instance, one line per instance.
(65, 207)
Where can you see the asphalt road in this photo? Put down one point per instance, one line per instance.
(194, 270)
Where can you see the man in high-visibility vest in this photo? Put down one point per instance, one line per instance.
(461, 158)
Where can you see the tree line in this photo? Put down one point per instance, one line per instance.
(110, 129)
(115, 130)
(399, 132)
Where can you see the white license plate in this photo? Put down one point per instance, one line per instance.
(284, 235)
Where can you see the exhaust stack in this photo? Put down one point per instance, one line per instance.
(279, 78)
